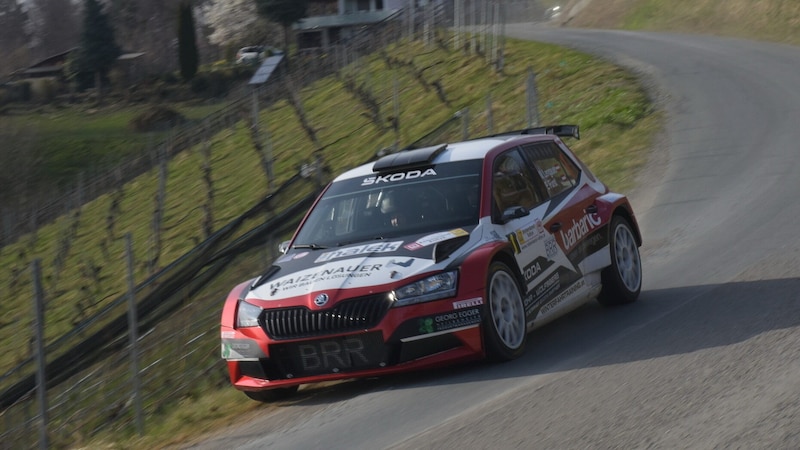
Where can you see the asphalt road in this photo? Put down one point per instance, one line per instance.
(710, 355)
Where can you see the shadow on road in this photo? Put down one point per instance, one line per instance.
(662, 323)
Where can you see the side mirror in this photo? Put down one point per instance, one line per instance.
(283, 247)
(514, 212)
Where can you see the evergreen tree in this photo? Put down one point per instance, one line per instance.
(98, 50)
(284, 12)
(187, 41)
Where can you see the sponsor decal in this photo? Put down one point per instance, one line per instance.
(332, 355)
(477, 301)
(398, 176)
(449, 321)
(406, 263)
(426, 325)
(382, 247)
(551, 247)
(228, 334)
(435, 238)
(307, 279)
(241, 349)
(561, 297)
(579, 229)
(594, 240)
(528, 301)
(593, 243)
(531, 270)
(551, 177)
(395, 275)
(525, 237)
(535, 268)
(550, 285)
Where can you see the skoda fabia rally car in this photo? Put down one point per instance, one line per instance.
(430, 256)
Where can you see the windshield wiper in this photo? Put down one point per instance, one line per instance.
(377, 238)
(311, 246)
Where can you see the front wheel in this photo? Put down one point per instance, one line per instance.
(504, 324)
(622, 280)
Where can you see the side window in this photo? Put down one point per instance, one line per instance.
(557, 171)
(512, 184)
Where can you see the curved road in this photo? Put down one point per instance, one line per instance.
(710, 355)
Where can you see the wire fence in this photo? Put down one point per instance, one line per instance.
(88, 369)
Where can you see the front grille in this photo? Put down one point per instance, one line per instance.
(300, 322)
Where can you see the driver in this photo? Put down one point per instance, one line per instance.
(390, 207)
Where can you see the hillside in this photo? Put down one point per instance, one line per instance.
(772, 20)
(204, 188)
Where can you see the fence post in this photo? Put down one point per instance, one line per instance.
(464, 113)
(489, 115)
(458, 19)
(396, 107)
(41, 379)
(501, 53)
(533, 100)
(133, 336)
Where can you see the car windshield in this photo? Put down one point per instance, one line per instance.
(414, 201)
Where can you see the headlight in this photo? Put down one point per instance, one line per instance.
(438, 286)
(247, 315)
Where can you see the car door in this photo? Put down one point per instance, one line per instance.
(515, 186)
(570, 219)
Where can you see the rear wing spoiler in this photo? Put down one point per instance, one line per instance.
(558, 130)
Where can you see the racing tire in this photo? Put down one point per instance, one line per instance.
(504, 324)
(271, 395)
(622, 280)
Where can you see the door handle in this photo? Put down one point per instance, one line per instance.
(555, 227)
(591, 209)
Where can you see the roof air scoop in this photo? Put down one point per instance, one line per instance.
(408, 158)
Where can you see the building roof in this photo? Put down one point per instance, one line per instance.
(343, 20)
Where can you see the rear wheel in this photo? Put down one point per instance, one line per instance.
(504, 325)
(272, 395)
(622, 280)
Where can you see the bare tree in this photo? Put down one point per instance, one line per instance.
(147, 26)
(236, 23)
(13, 36)
(231, 21)
(54, 25)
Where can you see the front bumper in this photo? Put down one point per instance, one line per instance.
(407, 338)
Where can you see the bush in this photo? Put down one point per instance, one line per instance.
(217, 83)
(170, 78)
(157, 118)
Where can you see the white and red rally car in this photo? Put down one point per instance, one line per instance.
(430, 256)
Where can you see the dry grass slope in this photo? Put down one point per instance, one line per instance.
(773, 20)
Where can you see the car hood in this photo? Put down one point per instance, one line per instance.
(301, 272)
